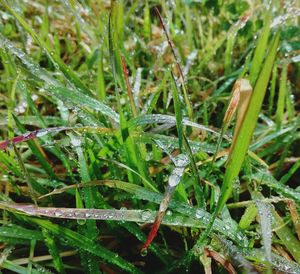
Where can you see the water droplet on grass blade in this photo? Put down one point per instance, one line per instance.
(144, 252)
(57, 214)
(41, 133)
(76, 141)
(181, 160)
(169, 213)
(146, 215)
(81, 221)
(174, 180)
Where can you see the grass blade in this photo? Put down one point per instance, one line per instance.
(261, 47)
(240, 149)
(281, 96)
(178, 111)
(79, 241)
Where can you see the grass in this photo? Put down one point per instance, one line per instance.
(126, 144)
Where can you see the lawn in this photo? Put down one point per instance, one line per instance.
(149, 136)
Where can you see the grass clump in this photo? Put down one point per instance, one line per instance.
(149, 137)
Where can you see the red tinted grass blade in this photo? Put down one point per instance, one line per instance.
(30, 135)
(159, 217)
(4, 144)
(152, 235)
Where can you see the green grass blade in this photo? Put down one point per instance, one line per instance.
(100, 77)
(272, 183)
(37, 152)
(272, 88)
(18, 232)
(200, 214)
(17, 268)
(199, 193)
(261, 47)
(53, 251)
(147, 22)
(284, 179)
(281, 96)
(287, 237)
(79, 241)
(246, 130)
(178, 111)
(82, 100)
(248, 217)
(243, 140)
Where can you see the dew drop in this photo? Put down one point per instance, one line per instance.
(169, 213)
(174, 180)
(57, 214)
(41, 133)
(146, 215)
(81, 222)
(144, 252)
(199, 214)
(76, 141)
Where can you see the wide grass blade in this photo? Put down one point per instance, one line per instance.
(261, 47)
(249, 122)
(82, 100)
(239, 151)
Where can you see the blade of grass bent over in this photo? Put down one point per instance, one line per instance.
(243, 139)
(239, 102)
(245, 96)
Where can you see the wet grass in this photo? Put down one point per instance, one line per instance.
(149, 137)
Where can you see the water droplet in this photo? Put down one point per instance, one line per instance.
(81, 222)
(199, 214)
(41, 133)
(146, 215)
(57, 214)
(227, 227)
(181, 160)
(174, 180)
(122, 101)
(144, 252)
(76, 141)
